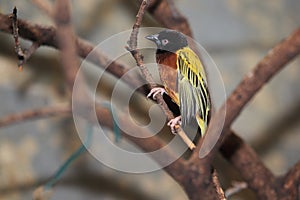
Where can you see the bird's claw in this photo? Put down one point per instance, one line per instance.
(173, 123)
(155, 91)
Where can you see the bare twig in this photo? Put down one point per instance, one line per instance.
(19, 51)
(28, 52)
(147, 75)
(23, 55)
(51, 111)
(236, 187)
(47, 35)
(217, 185)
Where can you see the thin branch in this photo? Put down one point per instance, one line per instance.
(217, 185)
(147, 75)
(47, 35)
(23, 55)
(35, 114)
(28, 52)
(15, 30)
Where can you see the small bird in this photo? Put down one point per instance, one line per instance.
(183, 78)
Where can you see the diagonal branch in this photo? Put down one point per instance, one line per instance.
(249, 166)
(166, 13)
(288, 185)
(272, 63)
(51, 111)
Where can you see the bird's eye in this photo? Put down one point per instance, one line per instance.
(165, 41)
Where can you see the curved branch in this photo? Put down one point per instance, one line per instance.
(165, 12)
(272, 63)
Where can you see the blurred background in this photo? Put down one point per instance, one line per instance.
(236, 34)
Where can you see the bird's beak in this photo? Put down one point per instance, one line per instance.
(153, 38)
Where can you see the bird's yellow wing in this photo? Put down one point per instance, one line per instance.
(192, 89)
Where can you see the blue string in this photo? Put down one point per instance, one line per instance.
(58, 174)
(115, 120)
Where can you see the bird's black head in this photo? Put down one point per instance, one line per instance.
(168, 40)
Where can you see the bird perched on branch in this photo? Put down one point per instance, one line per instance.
(183, 77)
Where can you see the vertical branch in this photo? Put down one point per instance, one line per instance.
(66, 40)
(67, 43)
(23, 55)
(132, 44)
(15, 29)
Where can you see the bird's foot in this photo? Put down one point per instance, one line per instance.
(155, 91)
(173, 123)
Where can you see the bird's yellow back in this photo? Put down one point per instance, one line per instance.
(192, 88)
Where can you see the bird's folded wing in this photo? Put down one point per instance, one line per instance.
(192, 89)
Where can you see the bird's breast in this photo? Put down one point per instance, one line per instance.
(167, 66)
